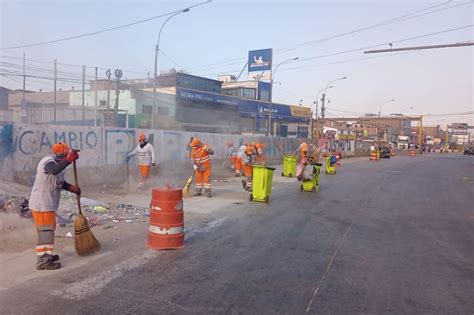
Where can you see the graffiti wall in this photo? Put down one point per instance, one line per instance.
(23, 145)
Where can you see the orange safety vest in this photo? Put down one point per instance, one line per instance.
(201, 156)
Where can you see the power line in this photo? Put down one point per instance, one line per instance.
(102, 31)
(286, 49)
(353, 50)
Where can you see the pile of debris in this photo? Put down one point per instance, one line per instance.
(99, 213)
(14, 205)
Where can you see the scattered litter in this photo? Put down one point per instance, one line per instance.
(115, 221)
(92, 221)
(90, 202)
(100, 209)
(108, 227)
(69, 234)
(129, 221)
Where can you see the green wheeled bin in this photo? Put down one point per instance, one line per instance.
(312, 185)
(330, 169)
(289, 166)
(262, 183)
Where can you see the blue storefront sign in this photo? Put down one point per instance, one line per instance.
(248, 108)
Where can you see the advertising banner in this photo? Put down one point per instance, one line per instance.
(260, 64)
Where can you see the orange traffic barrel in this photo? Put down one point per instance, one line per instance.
(412, 153)
(166, 228)
(373, 156)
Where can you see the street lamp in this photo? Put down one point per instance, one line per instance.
(380, 109)
(269, 127)
(157, 50)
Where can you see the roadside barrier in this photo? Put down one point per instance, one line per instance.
(166, 228)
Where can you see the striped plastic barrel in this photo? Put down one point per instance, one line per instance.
(166, 229)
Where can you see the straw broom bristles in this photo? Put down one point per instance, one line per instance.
(84, 241)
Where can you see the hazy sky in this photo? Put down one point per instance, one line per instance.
(432, 81)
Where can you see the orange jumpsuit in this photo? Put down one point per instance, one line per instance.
(201, 157)
(248, 160)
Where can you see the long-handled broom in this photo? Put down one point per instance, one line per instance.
(84, 241)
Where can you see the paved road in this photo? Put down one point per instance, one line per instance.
(393, 236)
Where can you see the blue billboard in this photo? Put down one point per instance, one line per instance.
(260, 63)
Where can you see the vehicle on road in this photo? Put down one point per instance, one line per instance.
(469, 151)
(385, 153)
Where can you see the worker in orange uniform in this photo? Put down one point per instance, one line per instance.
(201, 160)
(146, 158)
(44, 201)
(259, 154)
(239, 161)
(248, 160)
(302, 157)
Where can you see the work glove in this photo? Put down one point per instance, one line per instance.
(75, 190)
(195, 167)
(72, 156)
(127, 158)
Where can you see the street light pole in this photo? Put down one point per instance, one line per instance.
(380, 109)
(155, 72)
(323, 98)
(269, 127)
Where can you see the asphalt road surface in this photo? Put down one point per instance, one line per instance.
(392, 236)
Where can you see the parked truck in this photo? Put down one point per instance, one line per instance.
(403, 142)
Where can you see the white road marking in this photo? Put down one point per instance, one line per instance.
(94, 284)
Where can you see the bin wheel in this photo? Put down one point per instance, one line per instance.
(251, 197)
(290, 175)
(334, 172)
(282, 174)
(301, 187)
(267, 199)
(313, 189)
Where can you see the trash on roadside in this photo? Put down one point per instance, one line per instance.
(69, 234)
(129, 221)
(115, 221)
(108, 227)
(90, 202)
(100, 209)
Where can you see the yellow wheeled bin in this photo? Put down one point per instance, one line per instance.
(289, 166)
(262, 183)
(330, 169)
(312, 185)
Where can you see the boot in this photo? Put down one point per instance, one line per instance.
(208, 193)
(46, 262)
(55, 257)
(197, 192)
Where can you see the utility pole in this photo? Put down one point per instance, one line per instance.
(95, 99)
(118, 75)
(323, 108)
(447, 137)
(420, 142)
(108, 74)
(24, 77)
(55, 86)
(83, 94)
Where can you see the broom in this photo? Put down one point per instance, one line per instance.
(84, 241)
(187, 186)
